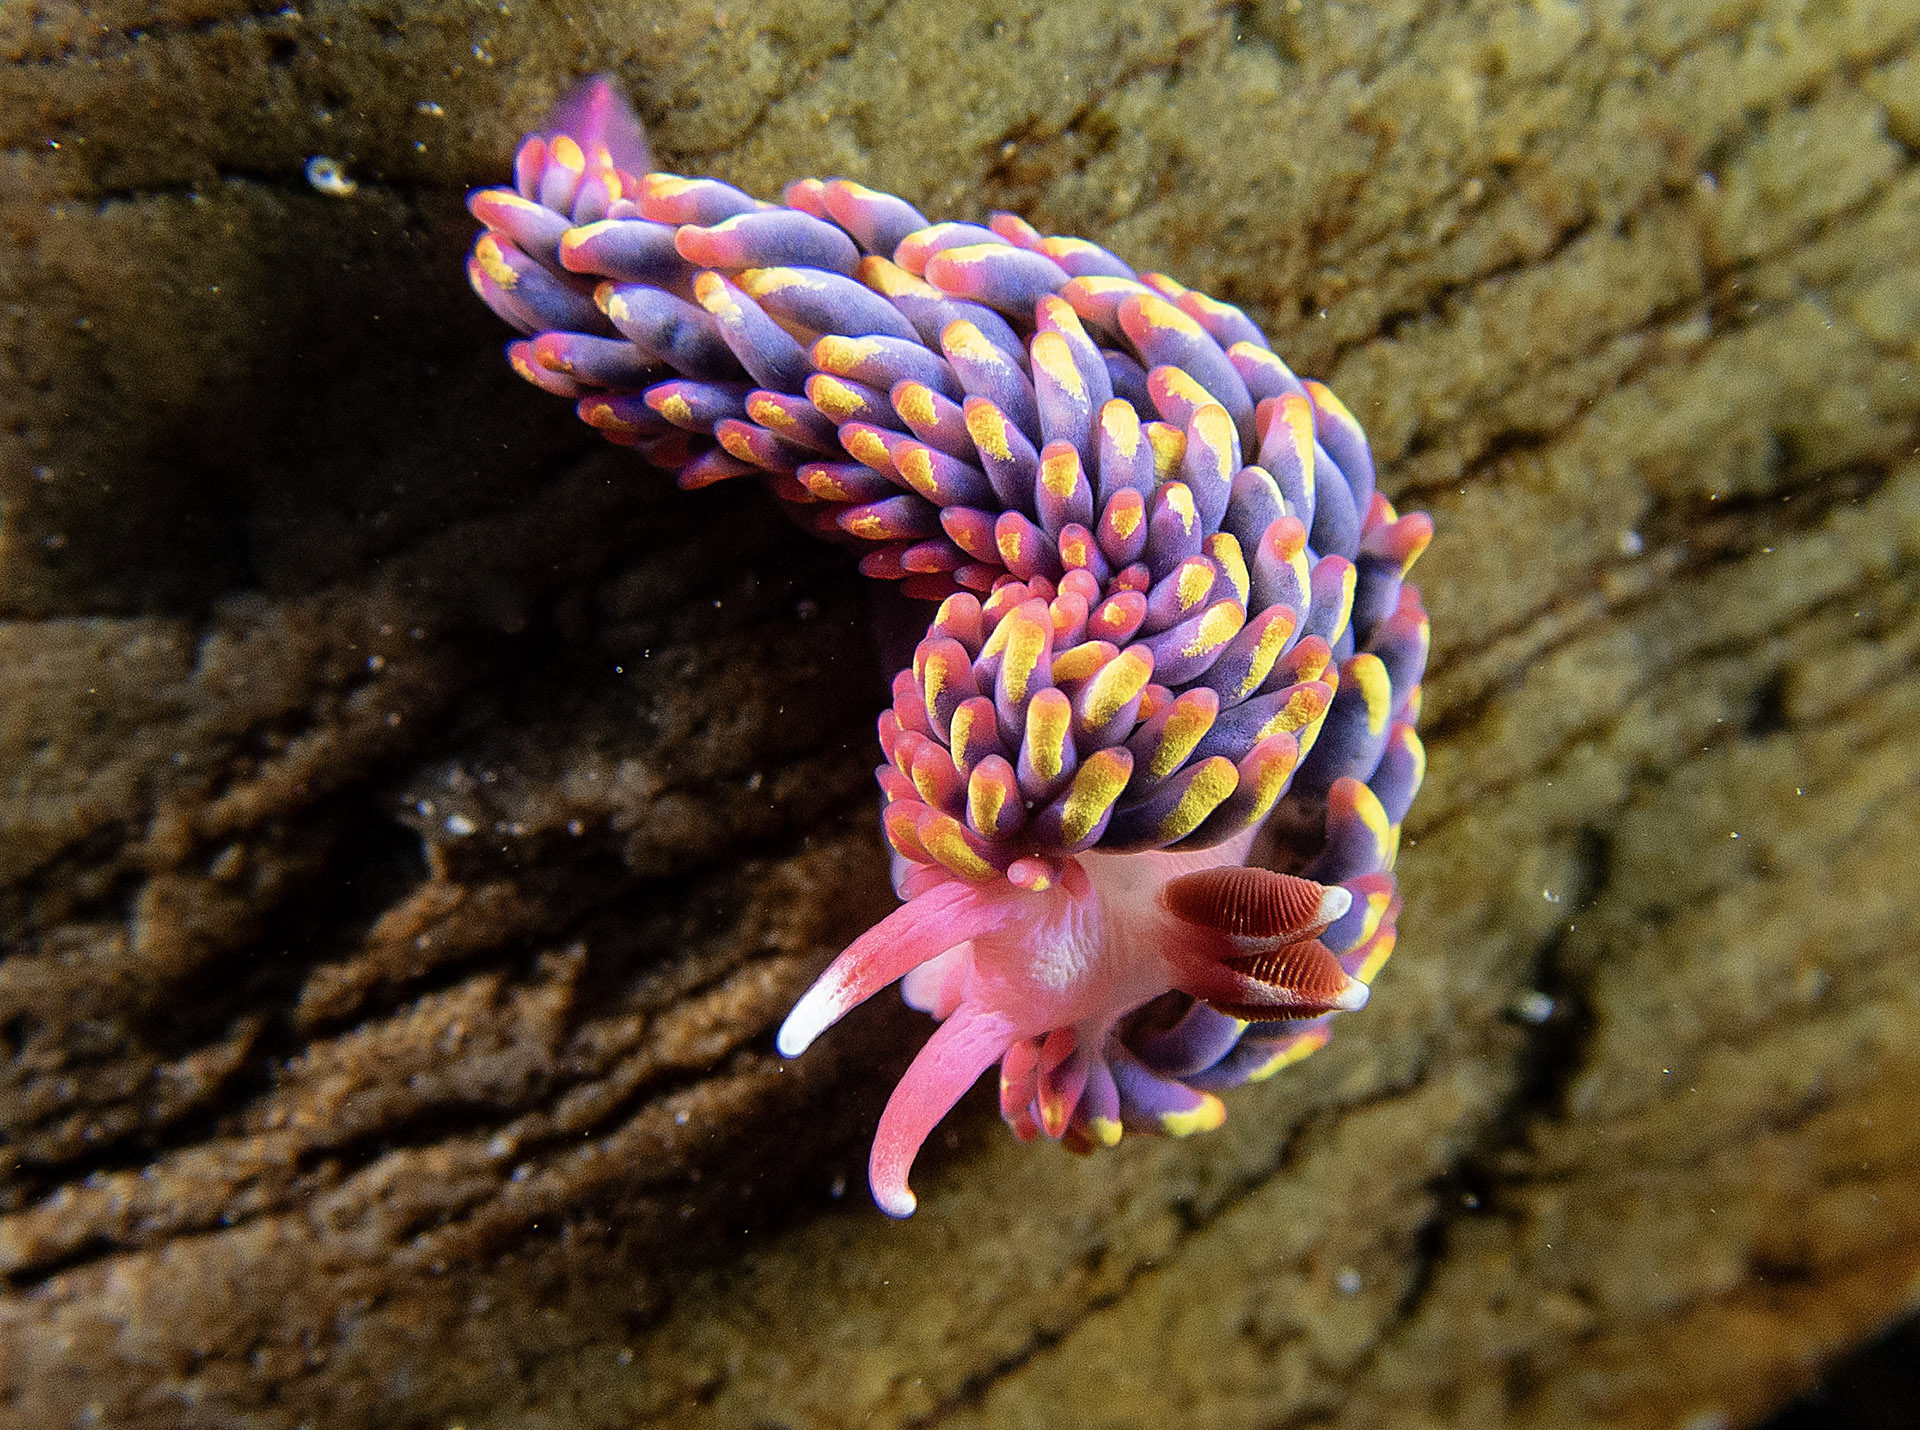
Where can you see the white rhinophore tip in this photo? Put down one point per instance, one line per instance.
(1353, 997)
(1334, 903)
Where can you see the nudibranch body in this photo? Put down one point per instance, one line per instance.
(1145, 776)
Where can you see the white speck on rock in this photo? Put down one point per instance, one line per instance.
(330, 177)
(1533, 1006)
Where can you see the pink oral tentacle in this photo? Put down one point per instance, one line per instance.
(961, 1048)
(913, 933)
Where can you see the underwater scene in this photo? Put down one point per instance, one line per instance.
(863, 714)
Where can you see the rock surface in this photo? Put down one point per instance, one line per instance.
(415, 817)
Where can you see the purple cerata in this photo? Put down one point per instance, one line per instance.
(1146, 774)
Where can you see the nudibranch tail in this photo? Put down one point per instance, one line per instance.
(597, 116)
(1174, 627)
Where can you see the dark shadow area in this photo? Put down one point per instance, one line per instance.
(1877, 1387)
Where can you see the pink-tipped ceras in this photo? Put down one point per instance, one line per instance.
(1146, 773)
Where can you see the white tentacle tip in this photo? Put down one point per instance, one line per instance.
(1334, 903)
(808, 1020)
(1353, 997)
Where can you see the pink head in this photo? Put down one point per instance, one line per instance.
(1044, 979)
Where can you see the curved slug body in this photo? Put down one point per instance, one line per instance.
(1145, 776)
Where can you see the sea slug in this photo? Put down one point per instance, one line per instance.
(1146, 774)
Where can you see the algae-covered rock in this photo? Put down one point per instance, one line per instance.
(415, 817)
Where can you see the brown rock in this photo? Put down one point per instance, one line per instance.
(416, 817)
